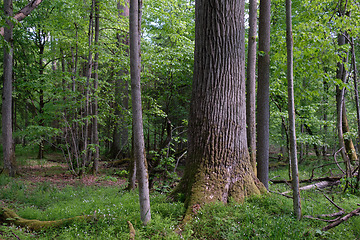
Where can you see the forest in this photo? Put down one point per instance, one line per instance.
(179, 119)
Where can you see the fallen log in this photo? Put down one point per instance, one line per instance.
(10, 217)
(319, 185)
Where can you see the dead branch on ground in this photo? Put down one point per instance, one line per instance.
(338, 217)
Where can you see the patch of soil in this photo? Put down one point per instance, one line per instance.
(57, 174)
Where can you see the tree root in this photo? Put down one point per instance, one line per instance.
(10, 217)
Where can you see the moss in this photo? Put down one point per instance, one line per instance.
(9, 216)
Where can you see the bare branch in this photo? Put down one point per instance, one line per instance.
(24, 12)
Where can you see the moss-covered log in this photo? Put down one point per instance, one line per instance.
(10, 217)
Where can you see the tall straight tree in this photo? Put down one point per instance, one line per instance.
(218, 166)
(139, 144)
(263, 112)
(251, 84)
(291, 112)
(95, 133)
(7, 137)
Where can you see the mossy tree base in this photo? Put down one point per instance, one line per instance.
(10, 217)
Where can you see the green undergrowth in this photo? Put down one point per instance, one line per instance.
(260, 217)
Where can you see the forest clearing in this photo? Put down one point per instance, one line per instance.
(180, 119)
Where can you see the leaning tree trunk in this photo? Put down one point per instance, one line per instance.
(291, 111)
(349, 145)
(218, 167)
(251, 84)
(263, 112)
(139, 144)
(7, 138)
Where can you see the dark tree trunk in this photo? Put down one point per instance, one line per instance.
(95, 133)
(218, 166)
(139, 145)
(263, 113)
(251, 84)
(7, 137)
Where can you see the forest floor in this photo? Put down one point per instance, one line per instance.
(54, 170)
(46, 190)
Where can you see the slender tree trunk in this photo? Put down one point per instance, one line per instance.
(95, 133)
(353, 62)
(120, 135)
(263, 112)
(89, 65)
(7, 137)
(340, 96)
(139, 145)
(251, 84)
(291, 111)
(218, 167)
(41, 46)
(349, 146)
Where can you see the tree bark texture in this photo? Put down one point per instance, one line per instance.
(251, 84)
(218, 166)
(349, 145)
(291, 111)
(7, 137)
(139, 144)
(263, 112)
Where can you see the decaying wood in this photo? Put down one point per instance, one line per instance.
(321, 179)
(339, 217)
(10, 217)
(355, 212)
(319, 185)
(132, 231)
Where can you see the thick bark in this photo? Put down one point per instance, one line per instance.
(218, 166)
(291, 111)
(263, 112)
(251, 84)
(139, 145)
(7, 137)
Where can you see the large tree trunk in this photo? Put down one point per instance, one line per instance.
(291, 111)
(218, 166)
(7, 137)
(139, 144)
(263, 112)
(251, 84)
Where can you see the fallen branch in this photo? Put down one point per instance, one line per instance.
(319, 185)
(329, 179)
(343, 219)
(9, 216)
(339, 216)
